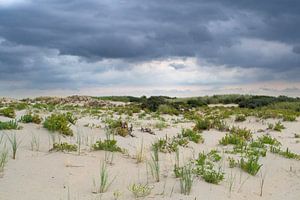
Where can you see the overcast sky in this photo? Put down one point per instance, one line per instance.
(151, 47)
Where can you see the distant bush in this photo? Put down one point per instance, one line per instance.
(167, 109)
(8, 112)
(58, 122)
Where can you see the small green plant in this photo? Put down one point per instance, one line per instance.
(297, 135)
(205, 169)
(31, 118)
(107, 145)
(14, 144)
(214, 156)
(8, 112)
(10, 125)
(278, 126)
(288, 154)
(266, 139)
(58, 122)
(154, 165)
(202, 124)
(192, 135)
(251, 165)
(231, 139)
(186, 180)
(64, 147)
(213, 176)
(140, 190)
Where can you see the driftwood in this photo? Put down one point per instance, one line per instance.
(147, 130)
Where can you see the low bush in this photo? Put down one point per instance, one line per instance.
(251, 165)
(168, 145)
(107, 145)
(202, 124)
(59, 123)
(192, 135)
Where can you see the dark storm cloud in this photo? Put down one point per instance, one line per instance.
(142, 29)
(246, 34)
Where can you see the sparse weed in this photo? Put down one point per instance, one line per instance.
(186, 180)
(14, 144)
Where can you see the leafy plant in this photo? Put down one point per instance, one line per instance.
(192, 135)
(58, 122)
(251, 165)
(278, 126)
(202, 124)
(107, 145)
(140, 190)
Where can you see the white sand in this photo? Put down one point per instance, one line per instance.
(48, 176)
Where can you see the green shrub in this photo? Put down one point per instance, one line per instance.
(266, 139)
(107, 145)
(278, 126)
(31, 118)
(251, 165)
(64, 147)
(205, 168)
(58, 122)
(192, 135)
(213, 176)
(12, 124)
(8, 112)
(167, 109)
(160, 125)
(231, 139)
(202, 124)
